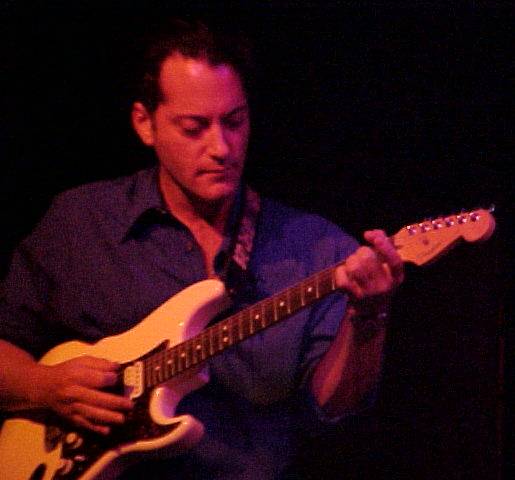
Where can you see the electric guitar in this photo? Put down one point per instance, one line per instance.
(162, 361)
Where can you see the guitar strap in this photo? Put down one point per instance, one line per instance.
(235, 273)
(246, 230)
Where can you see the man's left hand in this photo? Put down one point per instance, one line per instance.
(371, 273)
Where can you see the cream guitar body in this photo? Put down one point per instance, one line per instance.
(41, 450)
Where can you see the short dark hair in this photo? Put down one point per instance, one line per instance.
(193, 39)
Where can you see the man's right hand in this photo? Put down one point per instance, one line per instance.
(73, 389)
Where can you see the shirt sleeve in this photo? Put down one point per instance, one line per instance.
(321, 329)
(25, 316)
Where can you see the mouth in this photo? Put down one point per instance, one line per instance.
(221, 172)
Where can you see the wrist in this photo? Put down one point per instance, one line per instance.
(368, 317)
(37, 385)
(369, 307)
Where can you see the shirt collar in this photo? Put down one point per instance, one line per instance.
(144, 198)
(147, 206)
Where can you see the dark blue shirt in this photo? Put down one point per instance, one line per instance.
(106, 254)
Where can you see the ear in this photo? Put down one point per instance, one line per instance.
(142, 123)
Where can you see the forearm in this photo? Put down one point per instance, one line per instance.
(18, 378)
(352, 365)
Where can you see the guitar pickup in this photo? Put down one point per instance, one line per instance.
(133, 380)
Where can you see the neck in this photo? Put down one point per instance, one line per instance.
(192, 210)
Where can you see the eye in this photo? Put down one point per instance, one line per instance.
(192, 127)
(235, 121)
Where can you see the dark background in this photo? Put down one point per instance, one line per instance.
(371, 114)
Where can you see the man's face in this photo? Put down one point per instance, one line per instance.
(200, 129)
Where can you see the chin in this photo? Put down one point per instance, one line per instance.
(218, 193)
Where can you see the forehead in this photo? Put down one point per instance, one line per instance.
(194, 84)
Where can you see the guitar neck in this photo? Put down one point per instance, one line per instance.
(417, 243)
(165, 364)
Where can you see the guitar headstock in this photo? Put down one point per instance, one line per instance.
(423, 242)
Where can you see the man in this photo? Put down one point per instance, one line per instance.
(109, 253)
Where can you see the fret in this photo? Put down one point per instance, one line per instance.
(326, 283)
(163, 366)
(241, 333)
(217, 338)
(268, 311)
(158, 368)
(246, 323)
(245, 315)
(196, 350)
(166, 364)
(220, 337)
(206, 344)
(153, 373)
(234, 325)
(170, 367)
(182, 361)
(295, 298)
(150, 369)
(288, 304)
(176, 361)
(189, 354)
(226, 335)
(211, 332)
(256, 318)
(250, 321)
(281, 305)
(309, 289)
(148, 372)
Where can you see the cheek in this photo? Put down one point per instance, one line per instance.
(240, 141)
(174, 153)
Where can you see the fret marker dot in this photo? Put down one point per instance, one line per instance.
(256, 317)
(169, 362)
(224, 328)
(310, 289)
(183, 355)
(226, 339)
(198, 347)
(281, 304)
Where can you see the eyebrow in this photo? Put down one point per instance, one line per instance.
(238, 109)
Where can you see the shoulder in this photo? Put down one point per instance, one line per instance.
(104, 195)
(302, 231)
(97, 209)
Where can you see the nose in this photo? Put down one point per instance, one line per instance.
(218, 146)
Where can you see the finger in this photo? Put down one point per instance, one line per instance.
(372, 235)
(364, 267)
(346, 283)
(102, 399)
(98, 363)
(95, 378)
(98, 415)
(85, 423)
(388, 253)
